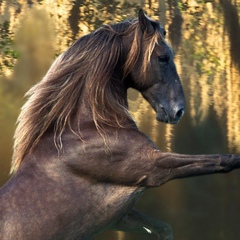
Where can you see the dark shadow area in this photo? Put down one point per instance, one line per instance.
(232, 26)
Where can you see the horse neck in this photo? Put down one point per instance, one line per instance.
(116, 88)
(84, 113)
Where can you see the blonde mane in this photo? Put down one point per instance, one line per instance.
(88, 65)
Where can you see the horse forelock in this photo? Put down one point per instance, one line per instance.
(87, 66)
(143, 44)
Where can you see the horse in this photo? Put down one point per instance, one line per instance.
(80, 162)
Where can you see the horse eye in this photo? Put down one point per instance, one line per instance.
(163, 58)
(164, 33)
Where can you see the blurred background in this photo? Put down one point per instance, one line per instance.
(205, 35)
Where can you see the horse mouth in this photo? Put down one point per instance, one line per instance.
(166, 119)
(164, 116)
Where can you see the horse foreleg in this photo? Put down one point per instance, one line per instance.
(138, 222)
(172, 165)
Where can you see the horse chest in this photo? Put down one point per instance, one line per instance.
(109, 203)
(120, 198)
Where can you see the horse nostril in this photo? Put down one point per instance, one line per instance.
(179, 113)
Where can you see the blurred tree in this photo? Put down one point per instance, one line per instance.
(34, 40)
(7, 53)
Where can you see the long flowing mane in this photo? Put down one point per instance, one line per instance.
(88, 65)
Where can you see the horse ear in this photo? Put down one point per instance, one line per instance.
(144, 22)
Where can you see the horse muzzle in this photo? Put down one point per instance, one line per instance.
(171, 116)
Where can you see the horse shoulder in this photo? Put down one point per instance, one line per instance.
(122, 159)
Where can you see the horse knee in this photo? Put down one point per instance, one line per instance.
(165, 232)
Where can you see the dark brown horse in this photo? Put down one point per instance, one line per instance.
(80, 163)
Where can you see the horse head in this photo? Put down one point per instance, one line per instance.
(155, 74)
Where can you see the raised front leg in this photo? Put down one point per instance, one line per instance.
(134, 160)
(138, 222)
(172, 165)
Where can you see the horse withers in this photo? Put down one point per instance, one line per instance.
(79, 162)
